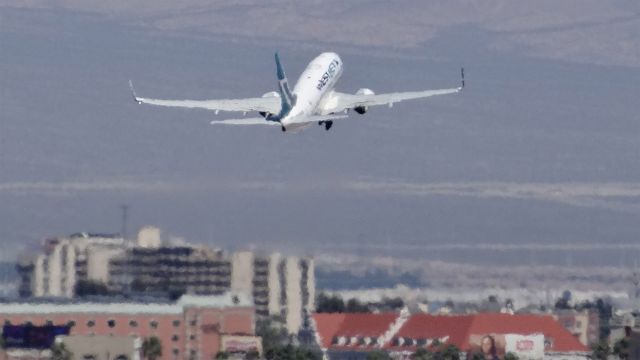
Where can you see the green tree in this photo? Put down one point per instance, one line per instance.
(59, 351)
(290, 352)
(601, 350)
(221, 355)
(621, 349)
(378, 355)
(276, 342)
(252, 355)
(449, 352)
(355, 306)
(477, 356)
(511, 356)
(329, 304)
(152, 348)
(272, 332)
(421, 354)
(3, 343)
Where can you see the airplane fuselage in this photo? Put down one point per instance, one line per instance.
(313, 88)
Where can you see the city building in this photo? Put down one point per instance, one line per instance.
(584, 325)
(194, 327)
(103, 347)
(65, 261)
(353, 336)
(280, 286)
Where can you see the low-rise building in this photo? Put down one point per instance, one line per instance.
(194, 327)
(585, 324)
(103, 347)
(353, 336)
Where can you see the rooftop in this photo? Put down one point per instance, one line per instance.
(120, 306)
(422, 329)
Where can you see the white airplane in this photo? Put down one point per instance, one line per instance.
(312, 100)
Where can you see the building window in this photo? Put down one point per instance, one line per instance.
(192, 337)
(133, 323)
(153, 324)
(111, 323)
(176, 351)
(71, 323)
(176, 323)
(90, 323)
(175, 338)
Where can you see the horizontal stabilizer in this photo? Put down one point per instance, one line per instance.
(315, 118)
(245, 121)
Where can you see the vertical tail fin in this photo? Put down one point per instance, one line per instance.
(286, 96)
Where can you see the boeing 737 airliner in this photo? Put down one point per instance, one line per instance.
(312, 100)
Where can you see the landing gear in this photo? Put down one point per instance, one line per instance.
(284, 129)
(327, 124)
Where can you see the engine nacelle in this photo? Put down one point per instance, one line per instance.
(363, 109)
(271, 94)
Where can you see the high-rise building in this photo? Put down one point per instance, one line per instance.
(280, 286)
(67, 260)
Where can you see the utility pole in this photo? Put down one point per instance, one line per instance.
(125, 219)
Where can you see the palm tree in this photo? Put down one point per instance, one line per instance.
(421, 354)
(601, 351)
(152, 348)
(59, 351)
(511, 356)
(378, 355)
(449, 352)
(221, 355)
(621, 349)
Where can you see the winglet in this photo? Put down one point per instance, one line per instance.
(133, 93)
(462, 75)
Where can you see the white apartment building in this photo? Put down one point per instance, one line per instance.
(55, 272)
(280, 286)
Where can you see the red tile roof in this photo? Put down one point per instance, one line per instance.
(366, 324)
(425, 326)
(561, 338)
(352, 325)
(458, 328)
(327, 326)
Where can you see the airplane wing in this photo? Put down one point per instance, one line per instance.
(342, 101)
(349, 101)
(266, 104)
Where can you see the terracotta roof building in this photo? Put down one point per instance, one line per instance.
(352, 336)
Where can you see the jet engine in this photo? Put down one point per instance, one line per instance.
(270, 94)
(363, 109)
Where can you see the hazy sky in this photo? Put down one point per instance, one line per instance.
(541, 148)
